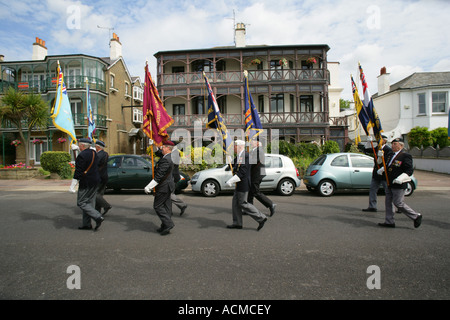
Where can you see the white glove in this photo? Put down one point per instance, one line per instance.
(369, 138)
(73, 185)
(74, 147)
(150, 186)
(232, 180)
(380, 171)
(402, 179)
(380, 157)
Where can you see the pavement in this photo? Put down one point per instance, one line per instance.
(429, 181)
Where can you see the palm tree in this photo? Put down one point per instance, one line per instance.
(25, 112)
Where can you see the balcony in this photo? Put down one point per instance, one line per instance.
(267, 119)
(288, 75)
(80, 120)
(49, 84)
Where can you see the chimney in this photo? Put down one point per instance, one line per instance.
(383, 82)
(239, 35)
(115, 51)
(39, 50)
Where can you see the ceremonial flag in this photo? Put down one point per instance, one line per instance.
(361, 110)
(90, 113)
(156, 118)
(373, 115)
(253, 126)
(61, 112)
(215, 120)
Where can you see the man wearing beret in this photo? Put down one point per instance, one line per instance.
(241, 171)
(164, 186)
(87, 176)
(102, 156)
(399, 169)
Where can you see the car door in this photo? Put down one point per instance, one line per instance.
(113, 166)
(274, 170)
(361, 170)
(135, 173)
(340, 169)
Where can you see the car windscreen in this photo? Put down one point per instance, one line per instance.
(319, 161)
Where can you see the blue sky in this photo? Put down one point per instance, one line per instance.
(405, 36)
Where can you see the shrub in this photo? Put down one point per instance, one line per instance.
(420, 136)
(330, 147)
(440, 137)
(56, 161)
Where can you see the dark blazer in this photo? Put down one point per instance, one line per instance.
(387, 155)
(176, 170)
(402, 163)
(241, 168)
(258, 170)
(82, 162)
(164, 174)
(103, 165)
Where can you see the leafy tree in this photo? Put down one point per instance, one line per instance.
(25, 112)
(420, 136)
(440, 137)
(344, 104)
(330, 146)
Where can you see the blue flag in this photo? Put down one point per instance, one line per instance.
(253, 126)
(61, 113)
(215, 120)
(90, 114)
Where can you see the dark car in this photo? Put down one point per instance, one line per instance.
(131, 171)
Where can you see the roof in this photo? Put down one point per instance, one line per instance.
(421, 80)
(248, 48)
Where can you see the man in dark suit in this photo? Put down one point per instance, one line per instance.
(87, 176)
(164, 186)
(240, 205)
(377, 179)
(257, 173)
(175, 156)
(399, 168)
(102, 156)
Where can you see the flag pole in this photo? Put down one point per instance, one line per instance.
(151, 133)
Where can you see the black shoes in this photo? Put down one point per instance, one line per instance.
(370, 210)
(387, 225)
(272, 209)
(261, 224)
(85, 228)
(183, 210)
(418, 221)
(106, 210)
(164, 231)
(98, 223)
(233, 226)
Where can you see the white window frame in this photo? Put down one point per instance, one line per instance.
(138, 116)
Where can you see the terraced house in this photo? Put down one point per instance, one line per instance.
(113, 92)
(295, 88)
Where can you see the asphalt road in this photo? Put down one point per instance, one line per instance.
(312, 248)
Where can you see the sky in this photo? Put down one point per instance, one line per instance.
(405, 36)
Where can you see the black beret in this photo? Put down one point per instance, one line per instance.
(397, 140)
(85, 140)
(168, 143)
(100, 143)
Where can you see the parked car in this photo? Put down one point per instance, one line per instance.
(281, 175)
(131, 171)
(331, 172)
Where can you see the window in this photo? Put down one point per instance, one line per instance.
(179, 109)
(306, 104)
(273, 162)
(361, 162)
(111, 82)
(277, 103)
(77, 111)
(340, 161)
(180, 76)
(127, 89)
(202, 65)
(422, 103)
(138, 93)
(198, 106)
(137, 115)
(36, 150)
(275, 69)
(439, 101)
(222, 103)
(260, 103)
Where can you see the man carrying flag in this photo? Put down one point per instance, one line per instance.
(61, 112)
(253, 128)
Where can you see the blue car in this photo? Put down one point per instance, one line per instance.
(339, 171)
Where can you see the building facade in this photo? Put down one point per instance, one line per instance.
(290, 86)
(112, 92)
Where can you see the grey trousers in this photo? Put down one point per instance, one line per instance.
(240, 205)
(374, 186)
(86, 202)
(163, 208)
(100, 202)
(177, 201)
(396, 197)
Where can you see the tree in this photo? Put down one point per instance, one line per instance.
(344, 104)
(420, 136)
(25, 112)
(440, 137)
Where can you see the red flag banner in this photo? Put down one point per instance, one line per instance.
(156, 118)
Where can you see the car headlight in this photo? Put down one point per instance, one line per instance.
(195, 177)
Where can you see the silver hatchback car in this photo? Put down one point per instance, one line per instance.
(281, 176)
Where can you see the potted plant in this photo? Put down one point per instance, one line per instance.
(283, 62)
(61, 140)
(37, 141)
(16, 143)
(311, 61)
(255, 61)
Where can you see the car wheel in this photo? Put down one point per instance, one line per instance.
(210, 188)
(286, 187)
(409, 189)
(326, 188)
